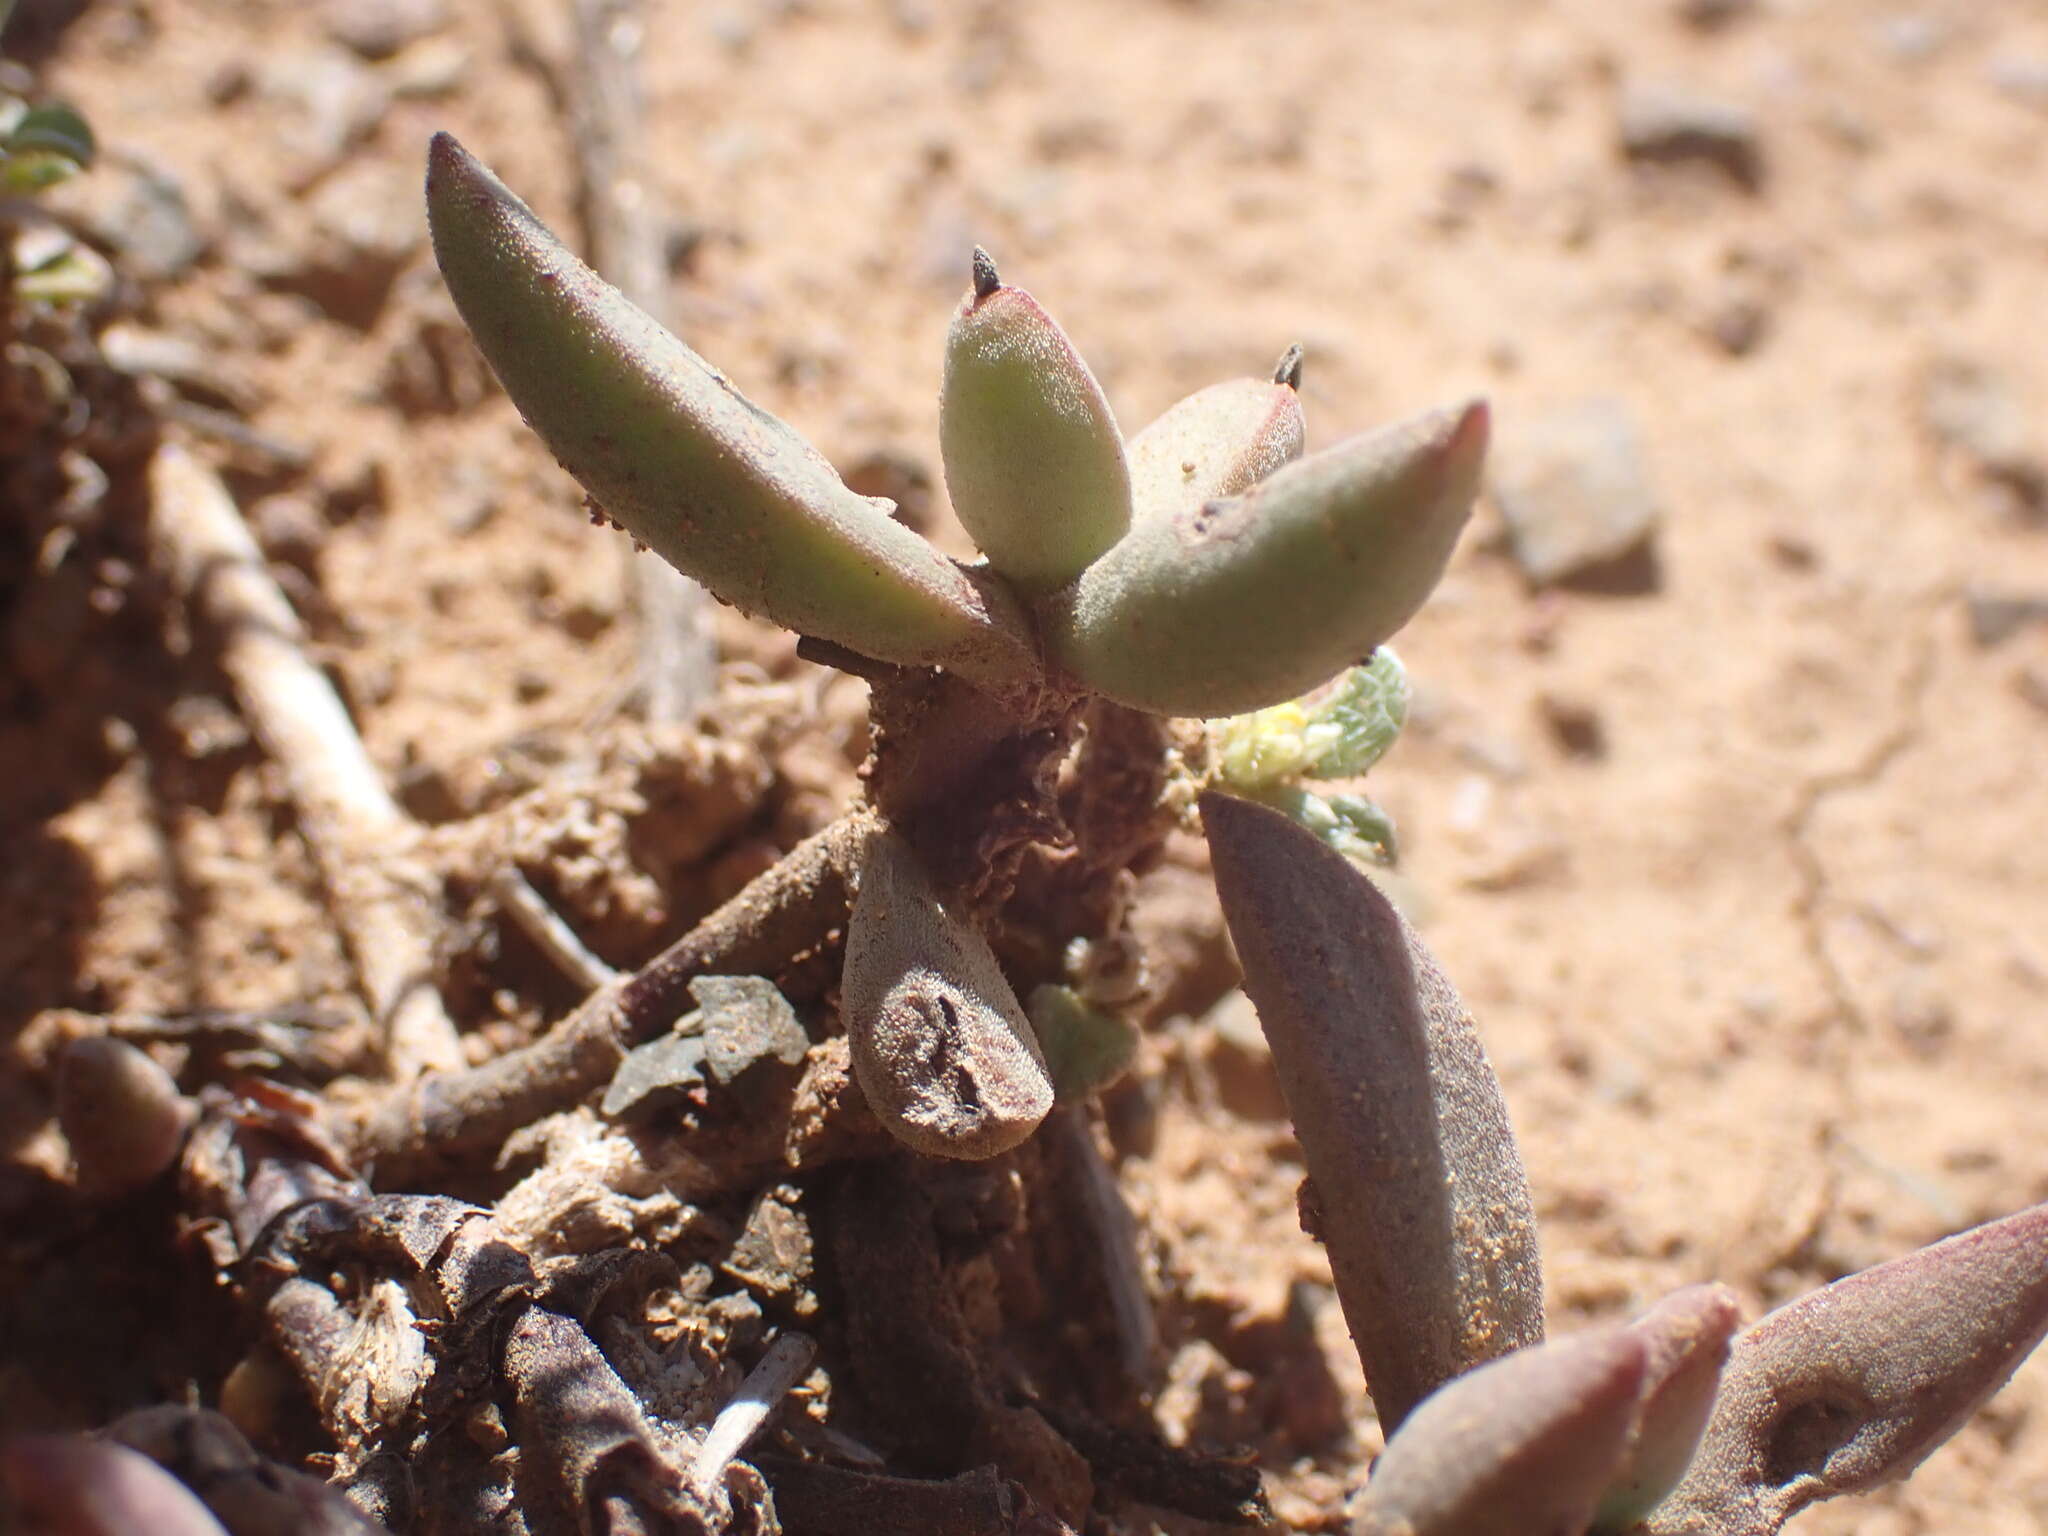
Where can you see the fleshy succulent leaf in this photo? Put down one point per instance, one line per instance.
(1220, 441)
(1235, 604)
(1685, 1337)
(940, 1045)
(1853, 1385)
(721, 489)
(1519, 1446)
(121, 1112)
(1419, 1190)
(69, 1485)
(1034, 461)
(1086, 1048)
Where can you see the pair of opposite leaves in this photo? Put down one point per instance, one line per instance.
(1206, 569)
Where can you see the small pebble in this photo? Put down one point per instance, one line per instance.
(1663, 123)
(1571, 485)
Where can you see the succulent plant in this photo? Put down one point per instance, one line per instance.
(1208, 569)
(1205, 569)
(1665, 1427)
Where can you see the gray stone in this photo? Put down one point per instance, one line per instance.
(1571, 486)
(377, 29)
(148, 222)
(328, 102)
(1996, 616)
(1710, 15)
(1668, 124)
(2020, 75)
(1975, 409)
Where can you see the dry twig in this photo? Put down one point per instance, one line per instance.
(357, 833)
(624, 235)
(783, 913)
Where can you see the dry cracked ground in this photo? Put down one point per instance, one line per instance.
(1726, 799)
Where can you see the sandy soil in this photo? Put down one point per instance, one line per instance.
(1765, 971)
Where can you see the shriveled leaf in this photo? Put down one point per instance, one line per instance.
(1686, 1338)
(1034, 461)
(746, 1019)
(1522, 1446)
(1220, 441)
(1419, 1189)
(1239, 603)
(940, 1044)
(1856, 1384)
(69, 1485)
(738, 1021)
(718, 487)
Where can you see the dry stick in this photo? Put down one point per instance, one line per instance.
(544, 925)
(356, 831)
(609, 118)
(782, 913)
(785, 1363)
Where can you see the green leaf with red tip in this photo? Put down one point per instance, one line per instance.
(941, 1047)
(1685, 1337)
(1854, 1385)
(1236, 604)
(1420, 1194)
(675, 454)
(1220, 441)
(1520, 1447)
(1034, 461)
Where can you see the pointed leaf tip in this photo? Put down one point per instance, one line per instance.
(1853, 1385)
(986, 280)
(1524, 1444)
(1034, 459)
(1288, 370)
(1220, 441)
(1231, 605)
(1424, 1207)
(1685, 1337)
(674, 453)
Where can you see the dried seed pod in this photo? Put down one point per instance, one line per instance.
(1034, 461)
(1855, 1384)
(1686, 1337)
(1423, 1204)
(719, 488)
(1522, 1445)
(1220, 441)
(940, 1045)
(121, 1112)
(1236, 604)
